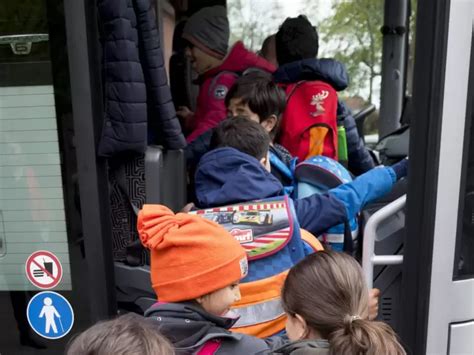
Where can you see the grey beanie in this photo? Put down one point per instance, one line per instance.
(208, 29)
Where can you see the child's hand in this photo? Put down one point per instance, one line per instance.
(186, 116)
(187, 208)
(373, 303)
(184, 112)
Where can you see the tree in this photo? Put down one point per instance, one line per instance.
(252, 25)
(353, 32)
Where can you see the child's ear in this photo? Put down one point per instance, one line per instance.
(302, 326)
(269, 123)
(265, 161)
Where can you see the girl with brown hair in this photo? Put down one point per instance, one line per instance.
(326, 299)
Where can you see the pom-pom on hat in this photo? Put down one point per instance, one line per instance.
(208, 29)
(190, 256)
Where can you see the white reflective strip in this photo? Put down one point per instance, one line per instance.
(338, 238)
(259, 313)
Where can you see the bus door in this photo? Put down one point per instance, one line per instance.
(438, 292)
(56, 270)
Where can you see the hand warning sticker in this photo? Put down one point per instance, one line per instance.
(43, 269)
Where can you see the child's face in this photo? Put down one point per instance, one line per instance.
(237, 108)
(219, 302)
(201, 62)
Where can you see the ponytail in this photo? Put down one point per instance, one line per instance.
(361, 336)
(325, 286)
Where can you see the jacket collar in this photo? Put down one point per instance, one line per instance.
(305, 347)
(330, 71)
(189, 325)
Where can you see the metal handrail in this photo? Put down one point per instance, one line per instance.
(369, 258)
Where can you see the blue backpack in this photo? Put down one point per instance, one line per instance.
(317, 175)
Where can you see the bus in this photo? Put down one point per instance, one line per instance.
(69, 213)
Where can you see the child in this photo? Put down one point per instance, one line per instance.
(326, 300)
(130, 334)
(311, 86)
(195, 268)
(207, 36)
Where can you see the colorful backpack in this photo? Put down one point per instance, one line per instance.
(269, 231)
(309, 123)
(318, 175)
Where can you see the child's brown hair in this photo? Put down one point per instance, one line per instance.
(130, 334)
(328, 290)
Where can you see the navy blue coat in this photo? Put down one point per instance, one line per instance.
(137, 97)
(334, 73)
(226, 176)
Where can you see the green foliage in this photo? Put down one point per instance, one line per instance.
(354, 34)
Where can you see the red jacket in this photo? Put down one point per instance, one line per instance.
(215, 83)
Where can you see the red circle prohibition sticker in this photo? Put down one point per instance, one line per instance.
(43, 269)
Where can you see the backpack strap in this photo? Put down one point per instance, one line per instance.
(282, 168)
(293, 89)
(211, 347)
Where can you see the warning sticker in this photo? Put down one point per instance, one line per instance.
(43, 269)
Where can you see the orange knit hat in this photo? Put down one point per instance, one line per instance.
(190, 256)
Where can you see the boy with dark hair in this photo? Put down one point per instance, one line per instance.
(311, 85)
(257, 97)
(230, 132)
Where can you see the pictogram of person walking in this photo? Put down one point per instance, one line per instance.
(49, 312)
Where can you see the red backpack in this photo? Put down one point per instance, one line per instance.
(309, 123)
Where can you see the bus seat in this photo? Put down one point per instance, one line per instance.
(165, 177)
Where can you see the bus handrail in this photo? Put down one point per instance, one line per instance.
(369, 258)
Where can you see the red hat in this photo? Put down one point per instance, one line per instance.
(190, 256)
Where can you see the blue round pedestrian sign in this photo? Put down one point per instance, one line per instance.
(50, 315)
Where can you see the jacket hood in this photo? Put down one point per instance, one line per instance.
(330, 71)
(240, 59)
(226, 175)
(189, 326)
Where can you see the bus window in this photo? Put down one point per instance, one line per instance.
(32, 215)
(464, 261)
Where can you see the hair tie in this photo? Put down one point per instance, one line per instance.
(353, 318)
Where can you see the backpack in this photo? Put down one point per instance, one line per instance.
(269, 232)
(318, 175)
(309, 123)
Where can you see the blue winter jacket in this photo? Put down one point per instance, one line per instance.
(334, 73)
(225, 176)
(137, 98)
